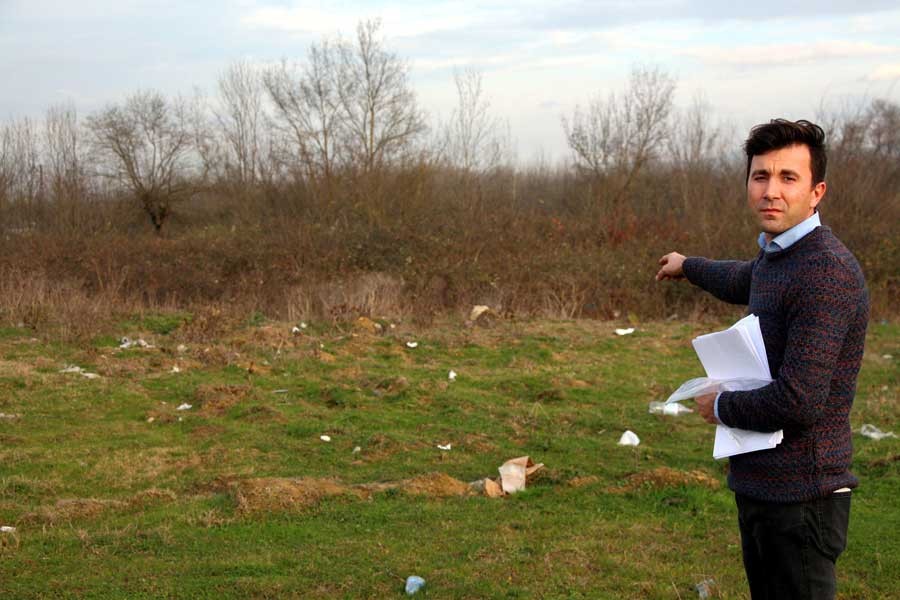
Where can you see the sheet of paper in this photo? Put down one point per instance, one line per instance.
(728, 355)
(737, 353)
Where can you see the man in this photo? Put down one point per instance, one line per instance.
(810, 296)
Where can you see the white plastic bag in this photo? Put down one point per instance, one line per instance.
(705, 385)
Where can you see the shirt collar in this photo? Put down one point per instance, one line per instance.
(786, 239)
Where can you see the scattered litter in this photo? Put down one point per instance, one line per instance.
(279, 391)
(872, 432)
(129, 343)
(175, 369)
(356, 450)
(706, 588)
(184, 406)
(451, 375)
(887, 356)
(483, 316)
(412, 344)
(180, 419)
(477, 311)
(514, 473)
(492, 489)
(674, 409)
(414, 583)
(627, 331)
(181, 348)
(295, 330)
(444, 447)
(80, 371)
(629, 438)
(9, 416)
(325, 438)
(393, 326)
(151, 419)
(7, 529)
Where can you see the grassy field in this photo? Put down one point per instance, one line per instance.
(114, 493)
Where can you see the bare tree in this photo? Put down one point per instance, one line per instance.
(242, 119)
(63, 153)
(308, 111)
(379, 110)
(473, 137)
(147, 146)
(21, 171)
(616, 136)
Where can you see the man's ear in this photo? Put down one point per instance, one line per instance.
(818, 192)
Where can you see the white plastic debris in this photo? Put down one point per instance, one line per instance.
(887, 356)
(151, 419)
(9, 416)
(445, 447)
(872, 432)
(280, 391)
(325, 438)
(627, 331)
(129, 343)
(412, 344)
(181, 348)
(706, 589)
(357, 450)
(79, 371)
(629, 438)
(303, 325)
(184, 406)
(7, 529)
(451, 375)
(175, 369)
(295, 330)
(414, 583)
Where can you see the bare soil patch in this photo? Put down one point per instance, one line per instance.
(665, 477)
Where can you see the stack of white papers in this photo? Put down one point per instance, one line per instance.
(738, 353)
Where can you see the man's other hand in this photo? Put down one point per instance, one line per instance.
(671, 265)
(706, 407)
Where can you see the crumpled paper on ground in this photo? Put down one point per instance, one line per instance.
(514, 473)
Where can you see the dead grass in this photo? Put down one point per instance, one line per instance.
(214, 400)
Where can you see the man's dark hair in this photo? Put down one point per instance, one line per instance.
(781, 133)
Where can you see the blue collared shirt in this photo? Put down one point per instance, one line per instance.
(782, 241)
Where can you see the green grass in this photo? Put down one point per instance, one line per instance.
(561, 392)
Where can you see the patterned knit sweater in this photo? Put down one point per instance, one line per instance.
(813, 308)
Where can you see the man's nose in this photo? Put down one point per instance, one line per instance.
(773, 189)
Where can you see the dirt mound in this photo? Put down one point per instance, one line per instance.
(437, 485)
(578, 482)
(216, 399)
(663, 477)
(297, 494)
(279, 493)
(71, 509)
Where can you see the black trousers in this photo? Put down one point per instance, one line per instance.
(790, 549)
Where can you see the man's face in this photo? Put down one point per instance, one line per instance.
(780, 191)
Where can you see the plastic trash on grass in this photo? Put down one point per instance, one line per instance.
(414, 583)
(629, 438)
(873, 433)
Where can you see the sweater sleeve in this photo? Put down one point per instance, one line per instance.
(727, 280)
(822, 303)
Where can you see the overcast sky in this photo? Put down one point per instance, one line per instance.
(538, 58)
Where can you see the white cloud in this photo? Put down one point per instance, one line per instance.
(787, 54)
(885, 73)
(397, 21)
